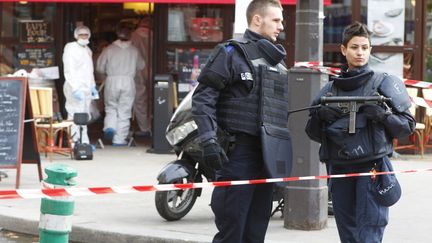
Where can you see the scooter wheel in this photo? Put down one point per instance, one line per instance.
(174, 205)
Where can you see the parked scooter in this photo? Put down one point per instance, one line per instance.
(182, 134)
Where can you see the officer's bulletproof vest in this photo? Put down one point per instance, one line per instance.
(369, 142)
(243, 114)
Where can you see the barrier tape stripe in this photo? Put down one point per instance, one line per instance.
(57, 192)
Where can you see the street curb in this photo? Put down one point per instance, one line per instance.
(86, 235)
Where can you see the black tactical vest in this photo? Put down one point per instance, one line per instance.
(370, 141)
(246, 114)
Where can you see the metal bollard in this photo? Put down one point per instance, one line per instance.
(55, 222)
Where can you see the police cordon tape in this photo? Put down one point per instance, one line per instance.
(89, 191)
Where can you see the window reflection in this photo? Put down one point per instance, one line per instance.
(186, 63)
(194, 23)
(428, 42)
(392, 24)
(337, 17)
(27, 37)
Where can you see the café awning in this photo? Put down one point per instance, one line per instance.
(285, 2)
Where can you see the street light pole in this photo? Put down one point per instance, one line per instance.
(306, 201)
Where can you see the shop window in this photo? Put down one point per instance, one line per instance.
(337, 17)
(391, 22)
(186, 63)
(408, 65)
(27, 36)
(194, 23)
(428, 43)
(333, 59)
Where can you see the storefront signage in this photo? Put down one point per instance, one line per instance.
(35, 31)
(36, 47)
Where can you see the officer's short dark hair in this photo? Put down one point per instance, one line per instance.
(355, 29)
(259, 7)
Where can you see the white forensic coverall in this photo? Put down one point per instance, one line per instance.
(141, 40)
(119, 61)
(78, 72)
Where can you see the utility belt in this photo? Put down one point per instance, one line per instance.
(242, 139)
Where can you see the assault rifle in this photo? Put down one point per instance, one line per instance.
(351, 105)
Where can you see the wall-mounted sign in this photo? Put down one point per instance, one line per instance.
(29, 56)
(35, 31)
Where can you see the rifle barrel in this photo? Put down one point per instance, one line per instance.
(359, 99)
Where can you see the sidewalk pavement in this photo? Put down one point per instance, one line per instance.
(131, 218)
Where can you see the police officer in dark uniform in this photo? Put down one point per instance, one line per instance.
(228, 98)
(360, 217)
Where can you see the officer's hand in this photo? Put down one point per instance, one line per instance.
(78, 95)
(374, 112)
(213, 154)
(94, 93)
(329, 113)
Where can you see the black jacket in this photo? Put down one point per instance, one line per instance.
(399, 124)
(206, 97)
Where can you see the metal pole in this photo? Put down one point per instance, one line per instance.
(306, 201)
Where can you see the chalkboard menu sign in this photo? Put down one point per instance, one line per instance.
(12, 101)
(31, 56)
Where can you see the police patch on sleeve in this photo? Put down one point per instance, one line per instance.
(246, 76)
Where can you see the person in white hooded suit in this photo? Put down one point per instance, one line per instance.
(119, 61)
(79, 87)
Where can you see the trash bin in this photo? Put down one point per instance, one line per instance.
(163, 108)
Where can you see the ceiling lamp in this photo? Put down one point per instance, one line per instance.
(139, 8)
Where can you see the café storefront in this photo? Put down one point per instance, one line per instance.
(33, 33)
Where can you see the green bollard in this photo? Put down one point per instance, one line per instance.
(55, 222)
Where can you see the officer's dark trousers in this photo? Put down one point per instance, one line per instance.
(359, 218)
(242, 212)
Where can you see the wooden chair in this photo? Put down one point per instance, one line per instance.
(51, 135)
(416, 140)
(427, 95)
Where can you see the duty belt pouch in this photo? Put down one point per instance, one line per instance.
(275, 138)
(277, 151)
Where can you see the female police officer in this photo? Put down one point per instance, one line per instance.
(228, 97)
(359, 216)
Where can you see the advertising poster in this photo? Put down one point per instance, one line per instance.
(386, 20)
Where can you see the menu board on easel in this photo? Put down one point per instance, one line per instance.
(12, 105)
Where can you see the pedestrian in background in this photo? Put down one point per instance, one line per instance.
(360, 216)
(119, 61)
(228, 98)
(141, 39)
(79, 88)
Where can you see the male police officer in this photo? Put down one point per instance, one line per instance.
(359, 216)
(237, 76)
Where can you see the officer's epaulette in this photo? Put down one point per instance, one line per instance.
(231, 43)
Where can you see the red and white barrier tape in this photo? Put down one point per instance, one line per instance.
(88, 191)
(417, 83)
(319, 67)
